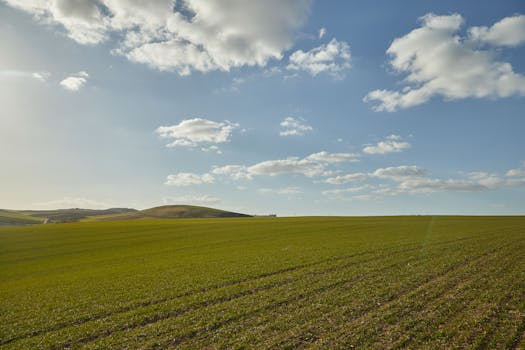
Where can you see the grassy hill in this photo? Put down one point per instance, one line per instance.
(169, 212)
(272, 283)
(10, 217)
(189, 211)
(28, 217)
(72, 215)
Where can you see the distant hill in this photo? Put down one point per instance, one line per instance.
(31, 217)
(12, 217)
(189, 211)
(74, 214)
(171, 212)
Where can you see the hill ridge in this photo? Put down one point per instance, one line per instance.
(176, 211)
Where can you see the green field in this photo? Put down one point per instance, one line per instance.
(256, 283)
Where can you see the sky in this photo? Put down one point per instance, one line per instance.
(292, 107)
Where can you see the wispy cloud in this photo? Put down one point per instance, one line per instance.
(74, 202)
(313, 165)
(288, 191)
(322, 33)
(328, 157)
(189, 179)
(394, 173)
(192, 199)
(392, 144)
(291, 126)
(14, 74)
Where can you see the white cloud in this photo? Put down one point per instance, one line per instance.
(438, 62)
(474, 182)
(333, 58)
(342, 179)
(192, 199)
(292, 165)
(75, 81)
(425, 185)
(212, 148)
(13, 73)
(322, 33)
(510, 31)
(291, 126)
(413, 180)
(188, 179)
(180, 36)
(392, 144)
(236, 172)
(516, 172)
(333, 157)
(341, 191)
(42, 76)
(311, 166)
(398, 172)
(74, 202)
(198, 131)
(292, 190)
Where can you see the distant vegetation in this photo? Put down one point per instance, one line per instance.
(10, 217)
(27, 217)
(259, 283)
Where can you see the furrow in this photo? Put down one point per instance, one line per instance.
(302, 296)
(129, 308)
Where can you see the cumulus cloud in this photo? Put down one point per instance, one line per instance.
(333, 58)
(181, 36)
(197, 132)
(291, 126)
(189, 179)
(439, 62)
(192, 199)
(510, 31)
(75, 82)
(392, 144)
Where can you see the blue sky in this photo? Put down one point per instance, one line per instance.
(294, 108)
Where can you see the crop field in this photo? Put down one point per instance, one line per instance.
(257, 283)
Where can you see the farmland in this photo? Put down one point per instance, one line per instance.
(311, 282)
